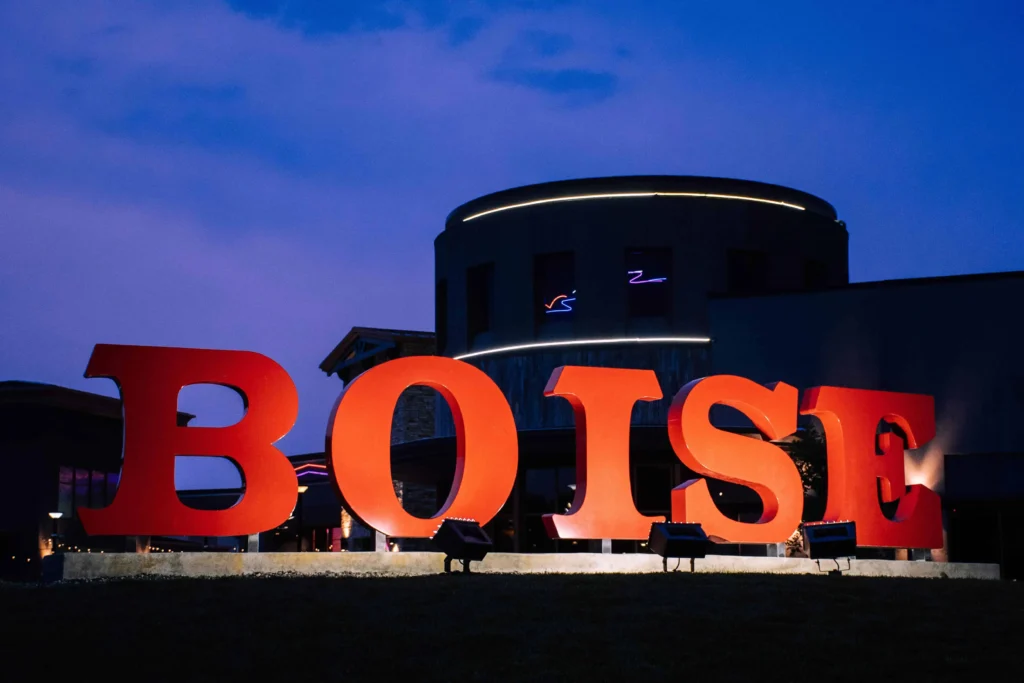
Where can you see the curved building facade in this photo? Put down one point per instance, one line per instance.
(608, 272)
(617, 272)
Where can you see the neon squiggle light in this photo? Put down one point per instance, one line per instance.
(312, 468)
(560, 296)
(639, 273)
(564, 300)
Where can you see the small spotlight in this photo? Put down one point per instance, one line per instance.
(55, 515)
(678, 540)
(830, 541)
(462, 540)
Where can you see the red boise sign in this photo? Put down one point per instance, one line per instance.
(861, 463)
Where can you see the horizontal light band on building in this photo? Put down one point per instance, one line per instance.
(626, 195)
(587, 342)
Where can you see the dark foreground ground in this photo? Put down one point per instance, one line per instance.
(515, 628)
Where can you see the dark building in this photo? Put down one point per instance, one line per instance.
(695, 276)
(61, 450)
(955, 338)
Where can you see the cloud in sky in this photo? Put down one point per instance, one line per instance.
(265, 175)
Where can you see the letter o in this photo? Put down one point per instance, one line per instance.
(359, 444)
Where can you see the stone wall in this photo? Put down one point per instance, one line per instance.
(85, 566)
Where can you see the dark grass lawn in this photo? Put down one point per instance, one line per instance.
(674, 627)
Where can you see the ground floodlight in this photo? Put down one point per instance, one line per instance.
(678, 540)
(830, 541)
(462, 540)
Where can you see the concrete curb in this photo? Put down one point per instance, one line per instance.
(91, 566)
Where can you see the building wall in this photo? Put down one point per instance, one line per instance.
(35, 441)
(957, 339)
(700, 233)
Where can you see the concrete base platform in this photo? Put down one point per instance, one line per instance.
(86, 566)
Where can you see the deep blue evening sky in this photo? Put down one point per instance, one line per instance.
(264, 175)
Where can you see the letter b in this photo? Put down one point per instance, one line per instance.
(149, 379)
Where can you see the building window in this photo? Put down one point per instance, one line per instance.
(648, 277)
(747, 271)
(815, 274)
(82, 481)
(554, 288)
(66, 492)
(81, 488)
(441, 315)
(548, 490)
(98, 489)
(652, 489)
(112, 480)
(479, 302)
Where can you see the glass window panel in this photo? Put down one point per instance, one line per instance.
(65, 493)
(540, 490)
(537, 540)
(502, 533)
(81, 489)
(479, 303)
(566, 488)
(98, 490)
(112, 486)
(653, 488)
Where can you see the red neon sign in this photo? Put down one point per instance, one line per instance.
(861, 462)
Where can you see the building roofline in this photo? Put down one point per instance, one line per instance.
(347, 345)
(639, 185)
(55, 396)
(885, 284)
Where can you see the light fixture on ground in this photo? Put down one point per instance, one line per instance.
(463, 540)
(678, 540)
(830, 541)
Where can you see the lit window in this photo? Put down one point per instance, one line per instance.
(648, 285)
(554, 289)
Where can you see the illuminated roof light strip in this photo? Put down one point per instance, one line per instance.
(588, 342)
(626, 195)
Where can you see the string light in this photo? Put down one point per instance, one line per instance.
(629, 195)
(587, 342)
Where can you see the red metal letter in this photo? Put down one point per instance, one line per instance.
(736, 458)
(149, 379)
(359, 444)
(851, 418)
(602, 400)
